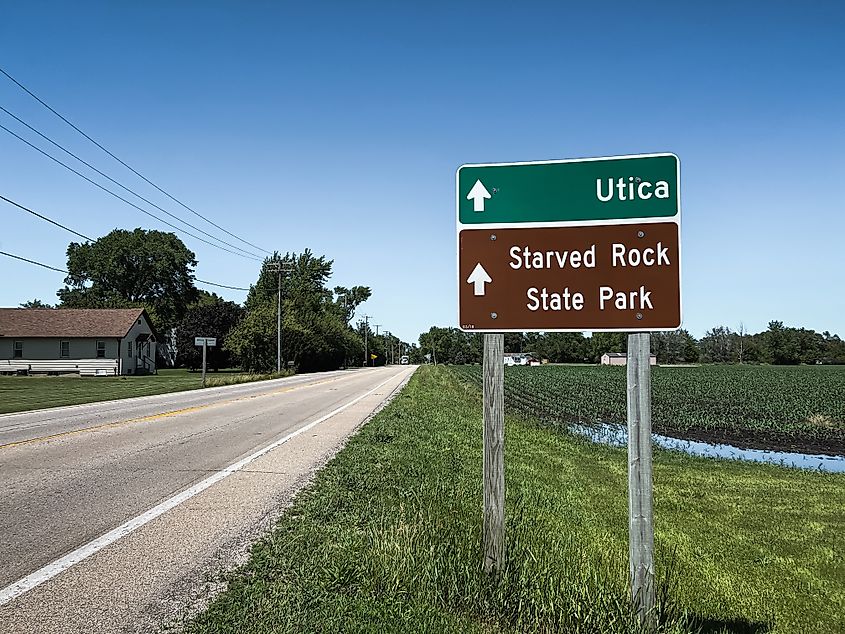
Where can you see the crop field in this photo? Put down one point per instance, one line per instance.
(799, 407)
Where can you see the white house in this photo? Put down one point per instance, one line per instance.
(88, 342)
(621, 358)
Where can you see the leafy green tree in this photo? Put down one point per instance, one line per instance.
(717, 345)
(315, 332)
(210, 317)
(448, 345)
(833, 348)
(253, 340)
(35, 303)
(601, 342)
(559, 347)
(153, 269)
(676, 346)
(348, 299)
(780, 345)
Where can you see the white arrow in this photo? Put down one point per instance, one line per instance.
(477, 195)
(479, 277)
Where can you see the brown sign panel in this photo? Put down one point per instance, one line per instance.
(597, 277)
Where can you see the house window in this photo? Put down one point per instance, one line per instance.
(18, 353)
(101, 349)
(64, 349)
(129, 348)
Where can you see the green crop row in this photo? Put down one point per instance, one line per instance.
(805, 402)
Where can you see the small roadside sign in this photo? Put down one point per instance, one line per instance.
(207, 341)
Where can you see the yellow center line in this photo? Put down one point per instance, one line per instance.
(162, 415)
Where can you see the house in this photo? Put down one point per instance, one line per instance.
(88, 342)
(621, 358)
(520, 358)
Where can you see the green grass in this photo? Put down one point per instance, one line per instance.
(387, 537)
(22, 393)
(797, 402)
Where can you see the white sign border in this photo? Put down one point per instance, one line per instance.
(567, 223)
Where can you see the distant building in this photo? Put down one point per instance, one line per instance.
(520, 358)
(621, 358)
(88, 342)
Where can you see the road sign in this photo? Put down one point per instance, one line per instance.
(208, 341)
(589, 244)
(601, 277)
(618, 188)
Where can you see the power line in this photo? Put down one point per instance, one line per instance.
(234, 288)
(81, 235)
(121, 185)
(46, 266)
(52, 222)
(127, 166)
(119, 197)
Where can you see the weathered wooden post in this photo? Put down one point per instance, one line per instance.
(494, 452)
(640, 514)
(204, 350)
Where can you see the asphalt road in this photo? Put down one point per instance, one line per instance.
(71, 475)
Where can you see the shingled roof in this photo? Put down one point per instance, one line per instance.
(68, 322)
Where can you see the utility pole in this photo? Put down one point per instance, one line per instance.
(279, 268)
(366, 332)
(376, 326)
(386, 341)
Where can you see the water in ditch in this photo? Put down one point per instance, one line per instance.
(617, 435)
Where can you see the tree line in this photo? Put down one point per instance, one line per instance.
(779, 345)
(154, 270)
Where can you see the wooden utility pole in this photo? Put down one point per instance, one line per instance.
(640, 512)
(494, 452)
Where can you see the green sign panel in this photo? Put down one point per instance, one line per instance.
(613, 188)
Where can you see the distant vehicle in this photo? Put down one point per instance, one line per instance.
(520, 358)
(404, 360)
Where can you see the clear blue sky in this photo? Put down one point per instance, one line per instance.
(339, 127)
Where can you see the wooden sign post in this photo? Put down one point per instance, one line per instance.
(640, 511)
(494, 452)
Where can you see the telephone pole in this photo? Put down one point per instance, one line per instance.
(366, 331)
(279, 268)
(376, 326)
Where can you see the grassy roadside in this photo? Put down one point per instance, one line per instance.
(386, 539)
(22, 393)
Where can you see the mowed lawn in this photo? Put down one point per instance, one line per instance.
(21, 393)
(387, 538)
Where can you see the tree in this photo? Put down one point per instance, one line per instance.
(601, 342)
(35, 303)
(212, 316)
(315, 332)
(717, 345)
(124, 269)
(448, 345)
(780, 345)
(348, 299)
(253, 340)
(676, 346)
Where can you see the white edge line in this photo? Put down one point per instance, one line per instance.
(35, 579)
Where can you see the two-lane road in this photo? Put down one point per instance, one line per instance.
(110, 512)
